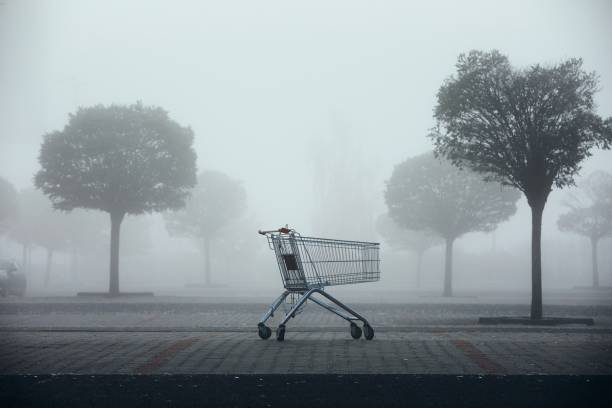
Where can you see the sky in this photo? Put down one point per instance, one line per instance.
(274, 88)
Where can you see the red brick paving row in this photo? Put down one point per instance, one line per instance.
(305, 352)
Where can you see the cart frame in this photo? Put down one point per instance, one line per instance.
(308, 264)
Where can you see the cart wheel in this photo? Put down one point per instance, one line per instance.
(280, 333)
(368, 332)
(355, 331)
(264, 331)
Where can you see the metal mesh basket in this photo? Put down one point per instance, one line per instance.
(307, 262)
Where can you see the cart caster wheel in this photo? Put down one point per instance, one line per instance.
(264, 331)
(280, 333)
(368, 332)
(355, 331)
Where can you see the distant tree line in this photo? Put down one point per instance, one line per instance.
(214, 203)
(499, 131)
(528, 129)
(429, 194)
(591, 215)
(121, 160)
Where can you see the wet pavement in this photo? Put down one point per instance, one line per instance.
(170, 337)
(67, 342)
(305, 352)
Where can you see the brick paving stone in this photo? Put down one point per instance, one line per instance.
(236, 316)
(221, 339)
(305, 352)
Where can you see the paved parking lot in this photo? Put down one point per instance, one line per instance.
(305, 352)
(180, 314)
(149, 338)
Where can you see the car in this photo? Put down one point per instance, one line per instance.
(12, 282)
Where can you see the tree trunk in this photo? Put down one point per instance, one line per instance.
(48, 266)
(418, 268)
(113, 287)
(24, 258)
(74, 264)
(207, 261)
(536, 260)
(448, 268)
(594, 242)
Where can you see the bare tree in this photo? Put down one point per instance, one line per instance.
(343, 205)
(527, 128)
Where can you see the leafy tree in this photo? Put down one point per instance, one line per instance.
(237, 238)
(596, 189)
(121, 160)
(417, 241)
(50, 234)
(527, 128)
(216, 200)
(23, 228)
(86, 232)
(136, 235)
(594, 218)
(8, 204)
(38, 224)
(425, 193)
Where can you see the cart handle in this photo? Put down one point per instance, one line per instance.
(282, 230)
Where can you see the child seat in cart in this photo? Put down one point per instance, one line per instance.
(308, 264)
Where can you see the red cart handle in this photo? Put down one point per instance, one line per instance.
(282, 230)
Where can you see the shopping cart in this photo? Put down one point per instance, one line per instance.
(307, 265)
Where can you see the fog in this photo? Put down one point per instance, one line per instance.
(309, 104)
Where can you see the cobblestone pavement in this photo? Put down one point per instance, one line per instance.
(231, 316)
(221, 339)
(317, 351)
